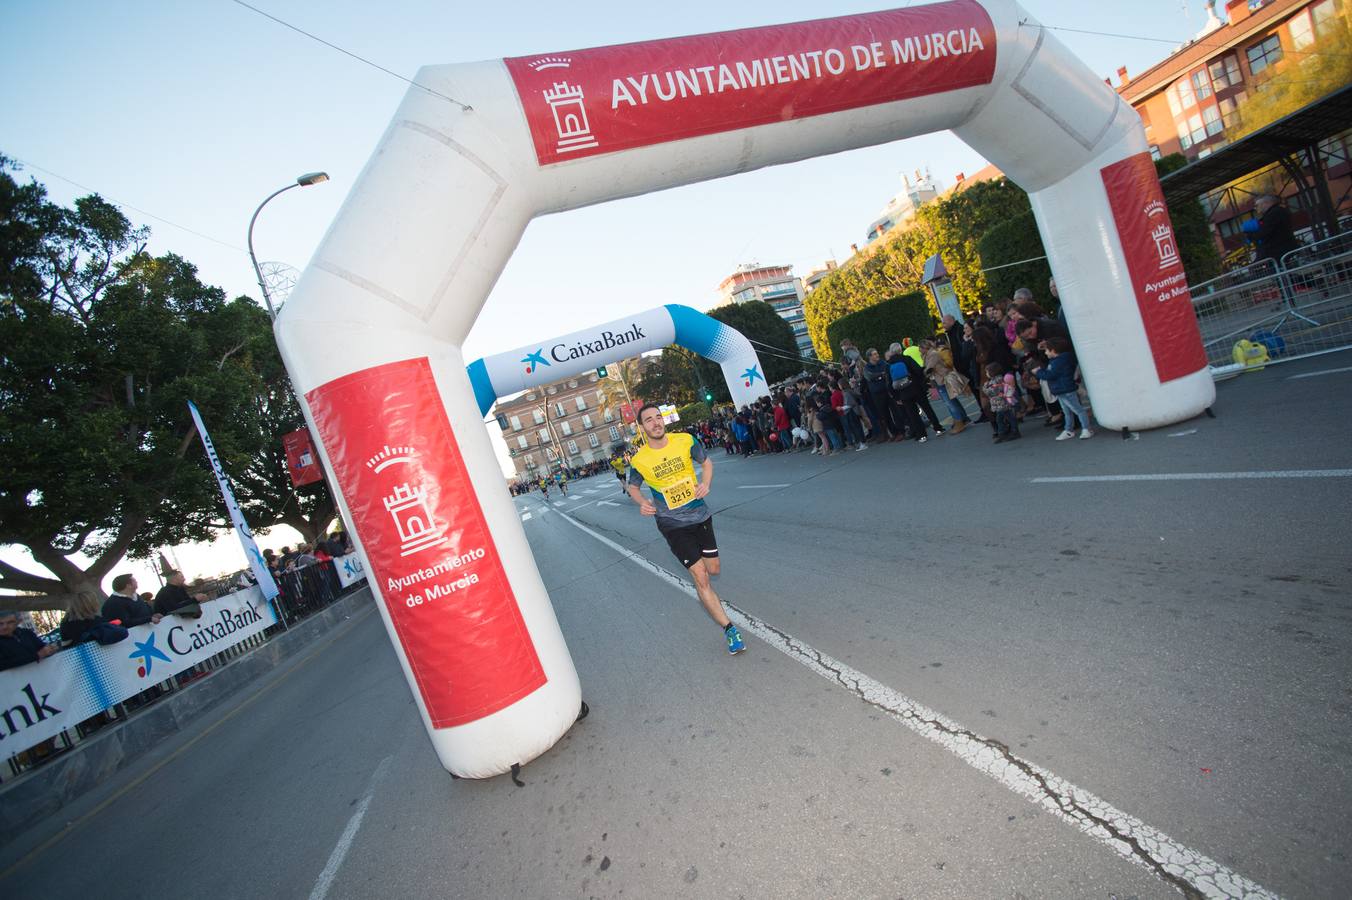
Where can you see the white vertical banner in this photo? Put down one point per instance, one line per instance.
(257, 564)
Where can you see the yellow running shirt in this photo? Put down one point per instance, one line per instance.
(670, 474)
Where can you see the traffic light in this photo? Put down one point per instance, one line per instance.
(600, 371)
(708, 396)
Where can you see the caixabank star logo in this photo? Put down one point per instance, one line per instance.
(147, 652)
(534, 360)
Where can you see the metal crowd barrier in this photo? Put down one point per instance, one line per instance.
(303, 592)
(1298, 308)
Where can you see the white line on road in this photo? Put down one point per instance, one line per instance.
(525, 517)
(339, 853)
(1127, 835)
(747, 487)
(1321, 372)
(1184, 433)
(1200, 476)
(606, 503)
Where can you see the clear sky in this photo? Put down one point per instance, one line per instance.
(194, 112)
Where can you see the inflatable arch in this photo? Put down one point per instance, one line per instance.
(372, 333)
(534, 364)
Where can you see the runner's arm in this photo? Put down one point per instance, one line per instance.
(706, 478)
(644, 506)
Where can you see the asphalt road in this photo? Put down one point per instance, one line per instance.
(930, 629)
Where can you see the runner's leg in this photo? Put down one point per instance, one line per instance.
(707, 597)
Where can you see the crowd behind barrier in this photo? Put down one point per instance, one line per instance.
(308, 580)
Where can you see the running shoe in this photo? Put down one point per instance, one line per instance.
(735, 644)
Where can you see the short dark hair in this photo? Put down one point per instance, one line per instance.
(645, 407)
(1025, 326)
(122, 581)
(1059, 344)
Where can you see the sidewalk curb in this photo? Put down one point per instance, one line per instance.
(28, 800)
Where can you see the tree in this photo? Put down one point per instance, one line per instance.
(950, 226)
(1192, 229)
(669, 378)
(101, 347)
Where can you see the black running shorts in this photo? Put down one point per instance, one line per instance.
(692, 543)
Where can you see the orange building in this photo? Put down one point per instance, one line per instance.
(1189, 102)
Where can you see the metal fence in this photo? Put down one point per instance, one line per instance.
(302, 592)
(1298, 308)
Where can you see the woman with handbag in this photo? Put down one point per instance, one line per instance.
(949, 384)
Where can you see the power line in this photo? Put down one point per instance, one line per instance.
(129, 206)
(361, 59)
(1193, 42)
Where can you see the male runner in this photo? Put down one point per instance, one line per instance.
(666, 465)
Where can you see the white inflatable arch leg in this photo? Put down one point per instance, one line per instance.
(372, 333)
(540, 363)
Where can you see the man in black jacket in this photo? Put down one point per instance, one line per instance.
(20, 646)
(1271, 231)
(123, 604)
(174, 597)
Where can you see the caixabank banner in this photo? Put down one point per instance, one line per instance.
(39, 700)
(585, 102)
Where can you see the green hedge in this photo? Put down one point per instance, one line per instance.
(907, 316)
(1012, 242)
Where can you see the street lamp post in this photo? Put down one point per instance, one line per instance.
(303, 181)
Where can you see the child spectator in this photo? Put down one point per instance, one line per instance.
(1000, 392)
(1060, 378)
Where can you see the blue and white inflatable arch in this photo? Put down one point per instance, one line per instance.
(540, 363)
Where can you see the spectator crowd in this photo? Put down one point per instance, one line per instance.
(1012, 363)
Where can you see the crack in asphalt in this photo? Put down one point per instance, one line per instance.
(1064, 800)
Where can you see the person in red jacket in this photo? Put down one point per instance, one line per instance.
(783, 424)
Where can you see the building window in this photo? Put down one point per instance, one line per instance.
(600, 396)
(1225, 72)
(522, 442)
(594, 440)
(539, 418)
(610, 414)
(581, 404)
(1326, 20)
(543, 435)
(1228, 113)
(573, 383)
(516, 423)
(550, 454)
(1154, 152)
(1302, 34)
(1265, 53)
(586, 422)
(1184, 139)
(614, 434)
(594, 378)
(1212, 117)
(565, 427)
(572, 448)
(1201, 84)
(551, 390)
(559, 411)
(530, 461)
(530, 396)
(1185, 97)
(1196, 129)
(1174, 106)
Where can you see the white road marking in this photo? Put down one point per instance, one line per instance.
(747, 487)
(339, 853)
(606, 503)
(1125, 834)
(1322, 372)
(1200, 476)
(588, 491)
(525, 517)
(1183, 433)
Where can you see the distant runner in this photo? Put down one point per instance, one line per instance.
(666, 464)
